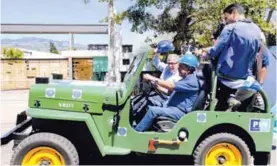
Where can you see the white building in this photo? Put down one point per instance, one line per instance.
(31, 54)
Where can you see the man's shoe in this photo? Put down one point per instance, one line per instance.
(233, 104)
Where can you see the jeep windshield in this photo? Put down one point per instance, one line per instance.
(137, 64)
(133, 68)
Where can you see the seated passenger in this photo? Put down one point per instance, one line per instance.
(181, 100)
(169, 71)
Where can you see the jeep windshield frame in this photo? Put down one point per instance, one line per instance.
(135, 69)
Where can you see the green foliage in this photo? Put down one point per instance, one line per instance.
(4, 51)
(12, 53)
(53, 48)
(18, 54)
(193, 20)
(254, 9)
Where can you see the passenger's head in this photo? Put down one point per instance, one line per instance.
(187, 64)
(172, 61)
(233, 13)
(164, 47)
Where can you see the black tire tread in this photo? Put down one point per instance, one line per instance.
(201, 147)
(47, 137)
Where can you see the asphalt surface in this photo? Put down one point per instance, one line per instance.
(13, 102)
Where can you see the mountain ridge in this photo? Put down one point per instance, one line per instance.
(39, 44)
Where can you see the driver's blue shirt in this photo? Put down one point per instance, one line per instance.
(185, 93)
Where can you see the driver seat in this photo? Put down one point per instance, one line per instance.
(165, 124)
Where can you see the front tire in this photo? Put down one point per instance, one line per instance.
(222, 148)
(45, 149)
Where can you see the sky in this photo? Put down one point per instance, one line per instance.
(69, 12)
(66, 12)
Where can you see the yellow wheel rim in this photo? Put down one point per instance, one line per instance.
(43, 156)
(223, 154)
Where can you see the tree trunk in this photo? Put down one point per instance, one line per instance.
(270, 13)
(182, 32)
(111, 59)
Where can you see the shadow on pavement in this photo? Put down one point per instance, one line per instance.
(141, 160)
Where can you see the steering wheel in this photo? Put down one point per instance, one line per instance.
(153, 86)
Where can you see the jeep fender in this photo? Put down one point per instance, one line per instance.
(70, 116)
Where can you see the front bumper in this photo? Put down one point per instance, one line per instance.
(22, 123)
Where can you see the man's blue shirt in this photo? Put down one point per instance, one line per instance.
(266, 55)
(236, 49)
(185, 93)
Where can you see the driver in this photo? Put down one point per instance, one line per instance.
(181, 101)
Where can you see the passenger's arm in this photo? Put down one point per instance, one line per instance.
(222, 42)
(265, 64)
(262, 74)
(158, 64)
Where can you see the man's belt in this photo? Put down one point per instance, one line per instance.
(228, 78)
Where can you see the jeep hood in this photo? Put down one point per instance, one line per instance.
(73, 95)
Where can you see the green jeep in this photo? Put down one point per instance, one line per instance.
(73, 120)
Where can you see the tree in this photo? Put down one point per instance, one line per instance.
(18, 54)
(254, 9)
(4, 51)
(53, 48)
(143, 19)
(190, 20)
(12, 53)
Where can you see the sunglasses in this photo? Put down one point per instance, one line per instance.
(172, 63)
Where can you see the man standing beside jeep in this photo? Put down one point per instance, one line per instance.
(236, 49)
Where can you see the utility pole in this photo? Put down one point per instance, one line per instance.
(70, 65)
(111, 59)
(117, 50)
(71, 42)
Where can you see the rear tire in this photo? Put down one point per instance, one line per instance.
(222, 148)
(47, 148)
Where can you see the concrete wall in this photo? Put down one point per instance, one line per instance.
(20, 74)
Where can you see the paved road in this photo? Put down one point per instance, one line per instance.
(13, 102)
